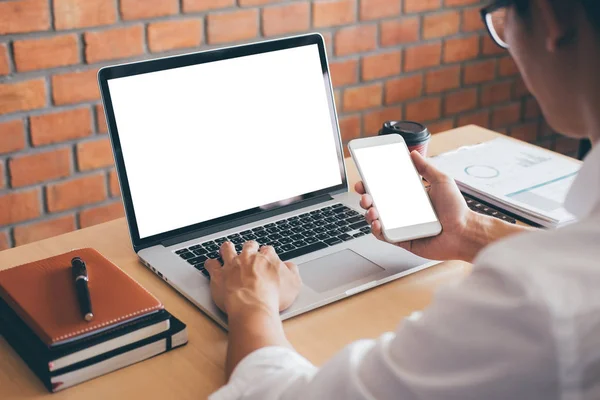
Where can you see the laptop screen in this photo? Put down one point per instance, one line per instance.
(209, 140)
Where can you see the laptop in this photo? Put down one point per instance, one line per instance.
(235, 144)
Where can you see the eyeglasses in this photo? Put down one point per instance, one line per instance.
(494, 17)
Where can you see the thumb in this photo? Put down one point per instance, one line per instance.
(426, 169)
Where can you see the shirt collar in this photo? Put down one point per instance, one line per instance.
(584, 194)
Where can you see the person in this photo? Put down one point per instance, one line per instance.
(524, 325)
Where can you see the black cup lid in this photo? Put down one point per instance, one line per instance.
(412, 132)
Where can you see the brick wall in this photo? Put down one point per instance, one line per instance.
(424, 60)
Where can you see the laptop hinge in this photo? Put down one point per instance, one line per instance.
(245, 220)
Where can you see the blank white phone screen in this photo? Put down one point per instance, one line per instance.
(209, 140)
(395, 186)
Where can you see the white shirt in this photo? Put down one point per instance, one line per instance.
(524, 325)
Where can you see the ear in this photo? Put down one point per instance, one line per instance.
(558, 17)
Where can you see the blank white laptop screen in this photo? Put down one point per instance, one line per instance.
(205, 141)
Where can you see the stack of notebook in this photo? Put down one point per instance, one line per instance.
(41, 319)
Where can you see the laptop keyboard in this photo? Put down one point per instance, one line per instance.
(481, 208)
(291, 237)
(304, 233)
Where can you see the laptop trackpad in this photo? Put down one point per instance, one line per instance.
(336, 270)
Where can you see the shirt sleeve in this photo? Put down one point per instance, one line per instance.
(486, 338)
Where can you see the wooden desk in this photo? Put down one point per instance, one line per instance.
(195, 371)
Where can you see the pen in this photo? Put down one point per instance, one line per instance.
(80, 278)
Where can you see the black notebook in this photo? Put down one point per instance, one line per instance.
(64, 366)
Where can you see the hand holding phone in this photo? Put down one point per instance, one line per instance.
(389, 176)
(458, 222)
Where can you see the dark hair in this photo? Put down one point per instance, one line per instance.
(591, 8)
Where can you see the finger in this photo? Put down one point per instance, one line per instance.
(250, 247)
(372, 215)
(366, 201)
(270, 253)
(360, 188)
(213, 267)
(292, 267)
(228, 252)
(426, 169)
(376, 230)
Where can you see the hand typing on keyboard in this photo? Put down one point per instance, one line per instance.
(254, 279)
(464, 231)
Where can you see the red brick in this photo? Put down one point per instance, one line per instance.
(355, 39)
(98, 215)
(96, 154)
(100, 119)
(566, 145)
(114, 43)
(2, 183)
(375, 9)
(42, 230)
(113, 183)
(204, 5)
(404, 88)
(328, 39)
(289, 18)
(442, 24)
(443, 79)
(75, 87)
(506, 115)
(424, 110)
(471, 20)
(361, 98)
(350, 127)
(39, 167)
(381, 65)
(245, 3)
(414, 6)
(422, 56)
(490, 47)
(19, 206)
(24, 16)
(399, 31)
(479, 118)
(12, 136)
(45, 53)
(76, 192)
(60, 126)
(4, 67)
(333, 12)
(532, 109)
(495, 93)
(4, 241)
(520, 88)
(176, 34)
(457, 3)
(140, 9)
(461, 49)
(22, 96)
(232, 26)
(373, 120)
(73, 14)
(440, 126)
(507, 67)
(527, 132)
(461, 101)
(482, 71)
(344, 72)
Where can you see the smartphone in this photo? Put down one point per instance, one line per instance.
(390, 177)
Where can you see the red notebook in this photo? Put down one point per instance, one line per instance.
(42, 293)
